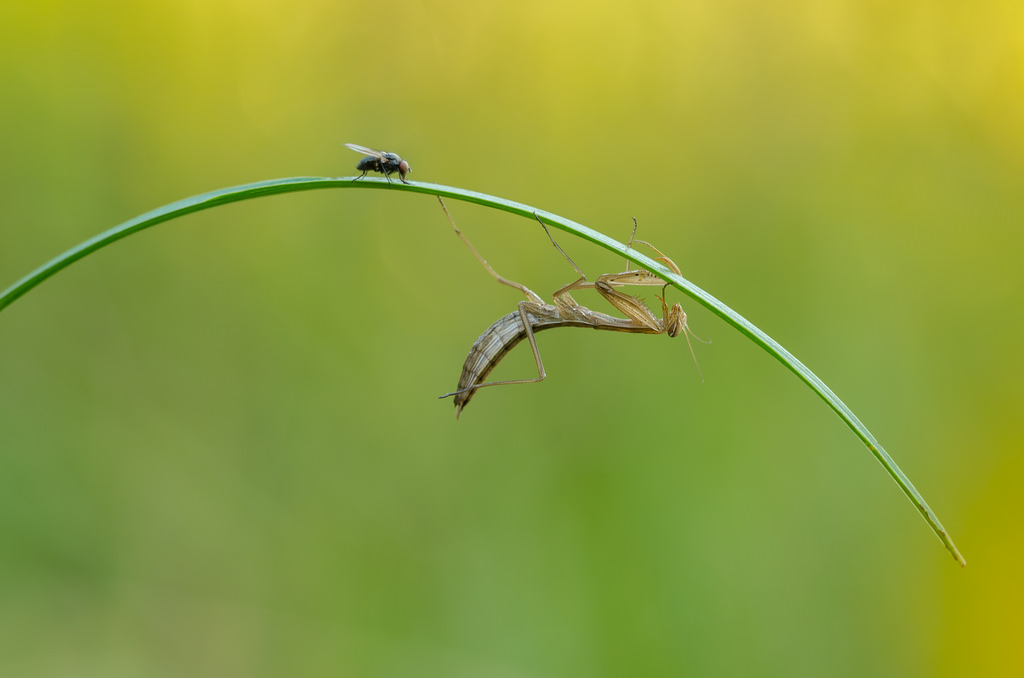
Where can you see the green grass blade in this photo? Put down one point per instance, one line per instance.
(279, 186)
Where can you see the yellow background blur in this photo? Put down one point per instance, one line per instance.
(221, 449)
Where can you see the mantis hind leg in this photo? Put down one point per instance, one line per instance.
(478, 369)
(530, 294)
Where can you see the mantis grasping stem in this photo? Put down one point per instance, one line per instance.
(535, 315)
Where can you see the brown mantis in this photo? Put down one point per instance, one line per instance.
(534, 315)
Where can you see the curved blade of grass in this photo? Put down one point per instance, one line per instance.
(278, 186)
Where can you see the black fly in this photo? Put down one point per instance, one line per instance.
(383, 162)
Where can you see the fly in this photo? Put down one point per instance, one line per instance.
(380, 161)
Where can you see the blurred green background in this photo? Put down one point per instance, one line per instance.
(221, 448)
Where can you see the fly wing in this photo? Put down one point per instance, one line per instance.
(365, 151)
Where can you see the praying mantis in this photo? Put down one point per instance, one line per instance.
(534, 315)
